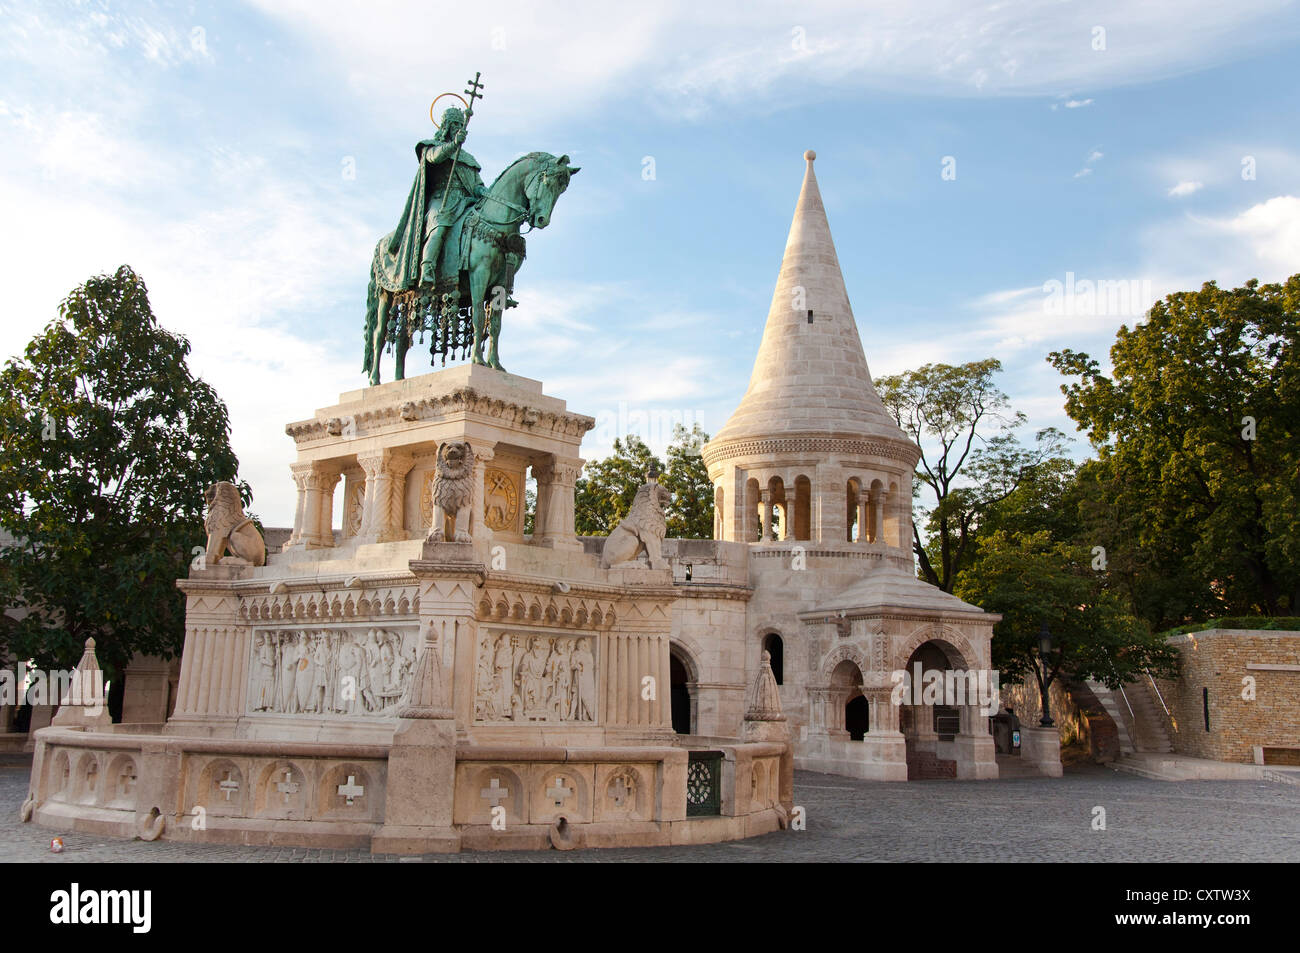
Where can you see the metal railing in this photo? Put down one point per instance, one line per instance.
(1157, 690)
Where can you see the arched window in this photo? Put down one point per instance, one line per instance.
(776, 648)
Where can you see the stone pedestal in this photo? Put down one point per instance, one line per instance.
(148, 690)
(1040, 748)
(421, 789)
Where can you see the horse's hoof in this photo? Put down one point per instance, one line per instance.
(497, 365)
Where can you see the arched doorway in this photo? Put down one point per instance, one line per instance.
(857, 717)
(682, 687)
(846, 683)
(929, 726)
(775, 647)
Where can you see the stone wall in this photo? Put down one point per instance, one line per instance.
(1220, 660)
(1024, 698)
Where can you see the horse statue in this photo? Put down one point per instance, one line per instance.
(476, 270)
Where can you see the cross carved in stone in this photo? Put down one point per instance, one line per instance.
(351, 790)
(620, 791)
(229, 785)
(288, 785)
(495, 793)
(559, 794)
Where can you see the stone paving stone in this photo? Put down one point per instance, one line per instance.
(1029, 819)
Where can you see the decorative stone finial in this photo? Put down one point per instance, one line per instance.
(83, 704)
(766, 705)
(810, 155)
(425, 697)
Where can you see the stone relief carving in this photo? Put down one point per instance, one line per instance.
(330, 671)
(355, 507)
(535, 678)
(502, 500)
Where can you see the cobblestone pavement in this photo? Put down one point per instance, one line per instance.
(1033, 819)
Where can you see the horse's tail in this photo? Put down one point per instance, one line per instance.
(372, 316)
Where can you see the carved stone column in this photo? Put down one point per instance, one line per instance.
(543, 473)
(766, 512)
(863, 506)
(878, 514)
(478, 527)
(557, 530)
(301, 472)
(386, 470)
(321, 482)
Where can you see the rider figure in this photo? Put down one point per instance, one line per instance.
(466, 187)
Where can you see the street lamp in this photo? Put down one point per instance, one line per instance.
(1044, 650)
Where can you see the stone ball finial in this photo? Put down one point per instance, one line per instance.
(810, 155)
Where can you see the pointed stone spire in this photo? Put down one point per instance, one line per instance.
(425, 696)
(766, 703)
(811, 374)
(83, 703)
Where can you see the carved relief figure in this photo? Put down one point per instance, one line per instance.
(287, 669)
(263, 688)
(453, 491)
(642, 530)
(548, 679)
(561, 680)
(304, 674)
(583, 705)
(229, 529)
(531, 679)
(349, 668)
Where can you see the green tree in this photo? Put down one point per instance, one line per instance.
(603, 495)
(1197, 431)
(106, 445)
(1033, 580)
(690, 515)
(971, 457)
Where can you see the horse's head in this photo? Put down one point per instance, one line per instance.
(546, 185)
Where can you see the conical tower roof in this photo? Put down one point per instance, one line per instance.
(811, 374)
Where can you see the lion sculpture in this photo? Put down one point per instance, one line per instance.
(642, 530)
(230, 529)
(453, 491)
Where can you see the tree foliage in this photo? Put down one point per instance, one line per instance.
(107, 443)
(1197, 430)
(971, 456)
(1032, 580)
(604, 493)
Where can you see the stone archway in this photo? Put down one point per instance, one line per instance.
(683, 682)
(941, 716)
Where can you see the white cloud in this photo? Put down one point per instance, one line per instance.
(1077, 103)
(1185, 188)
(687, 58)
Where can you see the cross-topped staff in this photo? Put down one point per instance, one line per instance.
(473, 93)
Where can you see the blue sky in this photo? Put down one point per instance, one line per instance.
(208, 146)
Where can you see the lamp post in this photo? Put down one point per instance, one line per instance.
(1045, 649)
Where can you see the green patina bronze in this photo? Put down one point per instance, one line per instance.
(448, 268)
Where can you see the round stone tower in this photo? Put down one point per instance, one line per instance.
(811, 452)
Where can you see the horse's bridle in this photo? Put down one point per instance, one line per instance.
(523, 212)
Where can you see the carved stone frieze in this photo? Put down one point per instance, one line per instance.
(527, 678)
(354, 672)
(462, 400)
